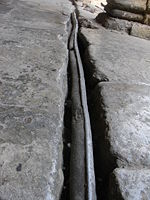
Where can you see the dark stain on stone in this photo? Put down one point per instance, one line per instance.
(28, 120)
(4, 6)
(19, 167)
(9, 42)
(54, 70)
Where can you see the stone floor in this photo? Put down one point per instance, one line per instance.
(33, 88)
(33, 68)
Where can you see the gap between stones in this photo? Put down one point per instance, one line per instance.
(101, 185)
(69, 129)
(102, 181)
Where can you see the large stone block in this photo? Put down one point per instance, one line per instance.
(148, 7)
(147, 19)
(121, 116)
(114, 23)
(130, 184)
(132, 28)
(137, 6)
(140, 30)
(124, 14)
(33, 66)
(116, 57)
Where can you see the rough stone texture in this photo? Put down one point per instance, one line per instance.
(124, 15)
(114, 23)
(147, 19)
(121, 110)
(96, 3)
(86, 17)
(140, 30)
(131, 10)
(116, 57)
(133, 184)
(33, 62)
(132, 28)
(136, 6)
(148, 7)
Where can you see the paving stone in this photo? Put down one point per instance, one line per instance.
(120, 112)
(130, 184)
(33, 68)
(113, 56)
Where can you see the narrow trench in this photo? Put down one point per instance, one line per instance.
(67, 140)
(67, 134)
(65, 195)
(102, 184)
(67, 137)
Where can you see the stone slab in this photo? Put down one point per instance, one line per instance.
(124, 15)
(148, 7)
(114, 23)
(130, 184)
(132, 28)
(33, 68)
(141, 30)
(136, 6)
(113, 56)
(121, 118)
(147, 19)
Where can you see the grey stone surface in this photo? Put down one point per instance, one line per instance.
(141, 30)
(136, 6)
(122, 124)
(124, 14)
(130, 184)
(130, 27)
(114, 23)
(113, 56)
(117, 68)
(33, 63)
(128, 10)
(147, 19)
(148, 7)
(86, 17)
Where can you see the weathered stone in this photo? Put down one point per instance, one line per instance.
(116, 57)
(33, 68)
(86, 18)
(124, 15)
(140, 30)
(114, 23)
(147, 19)
(137, 6)
(134, 10)
(132, 28)
(130, 184)
(148, 7)
(121, 116)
